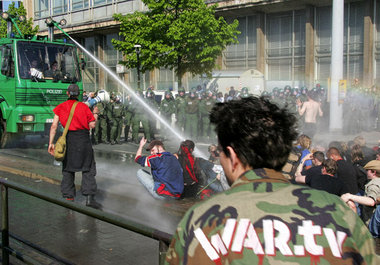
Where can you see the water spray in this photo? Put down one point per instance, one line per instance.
(131, 91)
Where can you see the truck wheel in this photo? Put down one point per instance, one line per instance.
(4, 135)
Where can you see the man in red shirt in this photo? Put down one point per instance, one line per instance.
(79, 152)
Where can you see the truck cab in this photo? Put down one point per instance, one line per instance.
(35, 74)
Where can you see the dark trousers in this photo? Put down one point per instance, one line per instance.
(89, 186)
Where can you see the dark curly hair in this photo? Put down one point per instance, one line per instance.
(259, 131)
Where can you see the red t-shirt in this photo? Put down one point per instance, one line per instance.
(81, 118)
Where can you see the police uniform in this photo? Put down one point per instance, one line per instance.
(191, 116)
(140, 115)
(205, 107)
(101, 125)
(117, 113)
(252, 223)
(150, 98)
(180, 103)
(167, 107)
(128, 115)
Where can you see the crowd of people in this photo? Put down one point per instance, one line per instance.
(188, 112)
(350, 170)
(258, 137)
(123, 118)
(263, 218)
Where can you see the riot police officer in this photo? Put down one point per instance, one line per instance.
(140, 116)
(167, 107)
(191, 116)
(180, 103)
(117, 113)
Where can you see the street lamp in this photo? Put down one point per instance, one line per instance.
(138, 48)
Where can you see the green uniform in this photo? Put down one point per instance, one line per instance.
(191, 116)
(167, 108)
(152, 120)
(127, 117)
(263, 219)
(180, 103)
(205, 107)
(101, 124)
(140, 115)
(116, 121)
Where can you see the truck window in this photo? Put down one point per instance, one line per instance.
(7, 64)
(48, 61)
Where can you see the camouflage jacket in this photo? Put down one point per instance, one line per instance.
(263, 219)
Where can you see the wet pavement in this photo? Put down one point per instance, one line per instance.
(73, 236)
(81, 239)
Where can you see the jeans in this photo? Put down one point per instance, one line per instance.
(374, 223)
(147, 181)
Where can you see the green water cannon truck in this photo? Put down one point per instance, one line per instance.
(35, 73)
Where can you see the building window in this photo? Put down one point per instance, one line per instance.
(4, 5)
(79, 4)
(243, 54)
(41, 8)
(102, 2)
(59, 6)
(353, 42)
(285, 53)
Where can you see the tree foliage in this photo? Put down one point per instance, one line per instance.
(180, 34)
(26, 27)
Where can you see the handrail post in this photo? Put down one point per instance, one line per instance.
(5, 227)
(162, 249)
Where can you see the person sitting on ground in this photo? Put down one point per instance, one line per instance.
(197, 172)
(166, 179)
(346, 171)
(369, 200)
(190, 168)
(303, 144)
(325, 180)
(357, 159)
(214, 154)
(369, 154)
(263, 218)
(317, 159)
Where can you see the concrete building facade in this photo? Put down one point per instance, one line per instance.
(289, 41)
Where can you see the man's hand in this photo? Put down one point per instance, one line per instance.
(139, 150)
(51, 149)
(308, 157)
(143, 141)
(346, 197)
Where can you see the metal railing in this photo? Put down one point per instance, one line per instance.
(163, 238)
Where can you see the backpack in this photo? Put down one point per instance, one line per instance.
(294, 159)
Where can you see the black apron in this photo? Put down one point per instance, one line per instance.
(79, 152)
